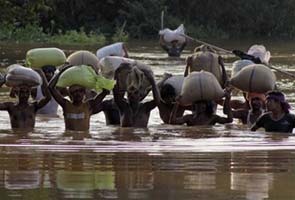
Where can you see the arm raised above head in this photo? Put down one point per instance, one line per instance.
(97, 100)
(55, 92)
(47, 97)
(156, 94)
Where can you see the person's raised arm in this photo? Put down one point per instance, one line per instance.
(226, 108)
(189, 62)
(117, 91)
(163, 43)
(173, 116)
(224, 74)
(156, 94)
(54, 92)
(125, 51)
(97, 100)
(44, 87)
(5, 105)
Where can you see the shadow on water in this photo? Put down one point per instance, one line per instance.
(159, 162)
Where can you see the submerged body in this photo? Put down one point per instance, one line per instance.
(278, 118)
(23, 113)
(134, 113)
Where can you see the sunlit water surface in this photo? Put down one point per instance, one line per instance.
(159, 162)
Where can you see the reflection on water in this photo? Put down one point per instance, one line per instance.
(89, 175)
(160, 162)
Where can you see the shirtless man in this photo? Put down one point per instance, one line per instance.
(256, 104)
(22, 113)
(110, 110)
(76, 112)
(203, 114)
(133, 113)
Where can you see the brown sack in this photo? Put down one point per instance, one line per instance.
(207, 61)
(176, 82)
(133, 78)
(254, 78)
(83, 58)
(199, 86)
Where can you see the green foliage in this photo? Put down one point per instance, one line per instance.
(29, 33)
(21, 19)
(75, 37)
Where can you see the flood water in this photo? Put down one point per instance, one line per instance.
(160, 162)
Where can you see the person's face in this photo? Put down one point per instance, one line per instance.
(174, 44)
(77, 93)
(23, 93)
(134, 96)
(48, 75)
(169, 99)
(272, 104)
(256, 103)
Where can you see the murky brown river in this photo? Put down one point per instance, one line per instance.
(160, 162)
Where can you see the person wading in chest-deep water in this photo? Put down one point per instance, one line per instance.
(133, 113)
(256, 104)
(50, 109)
(203, 113)
(167, 103)
(278, 118)
(22, 113)
(76, 112)
(173, 50)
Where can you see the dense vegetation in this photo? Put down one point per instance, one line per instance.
(112, 20)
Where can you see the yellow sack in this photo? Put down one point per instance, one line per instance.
(39, 57)
(84, 76)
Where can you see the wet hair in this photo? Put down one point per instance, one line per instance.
(48, 68)
(279, 97)
(167, 91)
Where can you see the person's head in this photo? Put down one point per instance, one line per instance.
(48, 71)
(174, 43)
(77, 93)
(256, 100)
(23, 93)
(276, 100)
(204, 107)
(134, 95)
(168, 94)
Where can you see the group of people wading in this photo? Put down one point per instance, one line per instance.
(127, 107)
